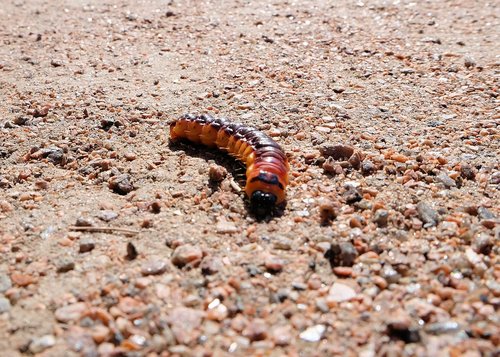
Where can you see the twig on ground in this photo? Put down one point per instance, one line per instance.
(103, 229)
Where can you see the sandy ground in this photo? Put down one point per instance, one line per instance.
(389, 242)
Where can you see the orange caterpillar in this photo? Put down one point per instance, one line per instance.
(267, 165)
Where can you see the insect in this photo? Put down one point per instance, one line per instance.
(266, 163)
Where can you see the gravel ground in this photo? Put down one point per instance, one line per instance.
(116, 243)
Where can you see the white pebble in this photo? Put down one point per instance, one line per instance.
(313, 333)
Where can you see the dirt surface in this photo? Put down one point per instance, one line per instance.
(389, 242)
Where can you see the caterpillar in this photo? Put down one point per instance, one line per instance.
(266, 163)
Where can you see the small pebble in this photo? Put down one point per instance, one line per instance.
(246, 106)
(399, 158)
(399, 320)
(179, 350)
(367, 168)
(331, 167)
(322, 305)
(274, 264)
(71, 312)
(154, 267)
(106, 215)
(427, 214)
(20, 120)
(41, 111)
(121, 184)
(357, 222)
(84, 222)
(313, 333)
(64, 264)
(473, 258)
(217, 173)
(469, 62)
(105, 349)
(337, 152)
(218, 313)
(299, 286)
(282, 335)
(41, 184)
(211, 265)
(131, 251)
(100, 333)
(5, 283)
(107, 123)
(381, 218)
(22, 279)
(446, 180)
(390, 274)
(355, 160)
(495, 178)
(41, 344)
(342, 271)
(352, 195)
(186, 254)
(482, 244)
(485, 213)
(4, 305)
(327, 211)
(281, 295)
(380, 282)
(24, 175)
(155, 206)
(256, 330)
(78, 339)
(86, 245)
(225, 227)
(130, 156)
(341, 254)
(468, 172)
(282, 243)
(56, 63)
(5, 206)
(440, 328)
(399, 327)
(54, 155)
(340, 292)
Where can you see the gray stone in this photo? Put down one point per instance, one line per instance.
(343, 254)
(381, 218)
(186, 254)
(86, 245)
(4, 305)
(41, 344)
(5, 283)
(446, 180)
(154, 267)
(485, 213)
(427, 214)
(440, 328)
(64, 264)
(313, 333)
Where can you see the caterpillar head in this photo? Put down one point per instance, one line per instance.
(262, 203)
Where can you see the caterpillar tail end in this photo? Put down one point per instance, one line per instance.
(173, 135)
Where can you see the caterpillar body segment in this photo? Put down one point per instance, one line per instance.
(267, 164)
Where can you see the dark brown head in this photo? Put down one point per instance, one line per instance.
(262, 203)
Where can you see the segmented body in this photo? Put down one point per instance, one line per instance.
(267, 165)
